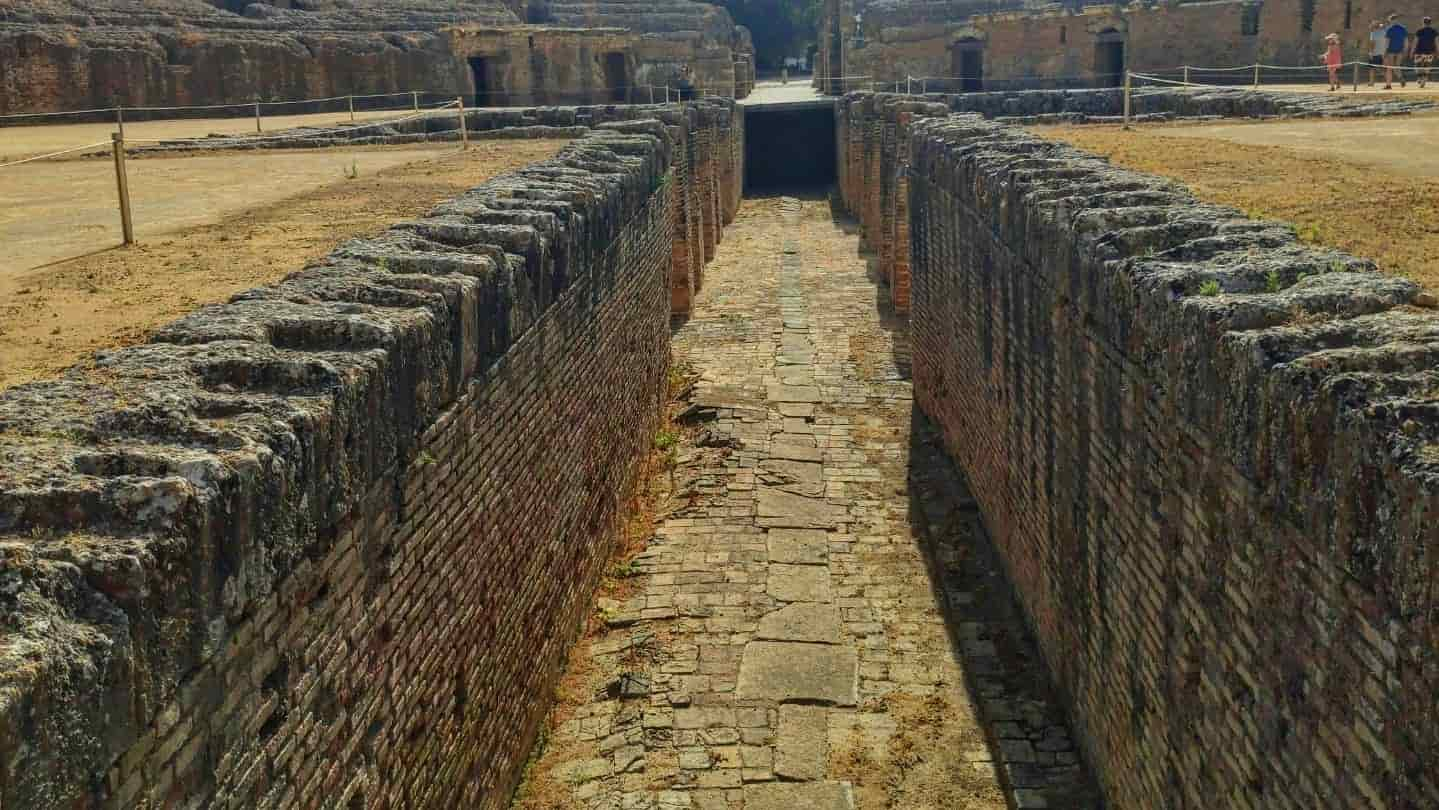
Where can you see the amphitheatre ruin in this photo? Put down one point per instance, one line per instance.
(547, 404)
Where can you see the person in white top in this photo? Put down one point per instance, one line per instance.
(1377, 43)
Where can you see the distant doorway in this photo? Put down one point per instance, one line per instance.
(1109, 64)
(616, 77)
(485, 86)
(967, 65)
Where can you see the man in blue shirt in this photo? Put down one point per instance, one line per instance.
(1398, 37)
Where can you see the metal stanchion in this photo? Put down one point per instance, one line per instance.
(1356, 77)
(352, 108)
(1256, 76)
(257, 114)
(1186, 74)
(464, 132)
(122, 186)
(120, 120)
(415, 100)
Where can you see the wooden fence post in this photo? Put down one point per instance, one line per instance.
(1126, 99)
(464, 132)
(122, 187)
(120, 119)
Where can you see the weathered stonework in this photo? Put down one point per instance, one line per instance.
(1214, 506)
(873, 130)
(1020, 44)
(68, 55)
(328, 543)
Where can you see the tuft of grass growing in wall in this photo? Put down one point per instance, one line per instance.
(1310, 233)
(1209, 288)
(354, 170)
(1271, 281)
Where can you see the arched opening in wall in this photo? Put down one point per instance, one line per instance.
(966, 64)
(1109, 64)
(789, 148)
(616, 77)
(487, 85)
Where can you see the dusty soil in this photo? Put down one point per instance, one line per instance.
(1366, 187)
(54, 210)
(56, 316)
(18, 142)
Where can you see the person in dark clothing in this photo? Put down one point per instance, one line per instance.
(1398, 40)
(686, 85)
(1425, 41)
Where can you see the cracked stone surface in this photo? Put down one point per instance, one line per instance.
(819, 623)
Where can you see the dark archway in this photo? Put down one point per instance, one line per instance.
(1109, 64)
(966, 64)
(617, 83)
(788, 148)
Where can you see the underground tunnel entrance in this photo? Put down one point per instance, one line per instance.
(789, 146)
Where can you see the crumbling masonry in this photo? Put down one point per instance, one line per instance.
(1214, 507)
(333, 538)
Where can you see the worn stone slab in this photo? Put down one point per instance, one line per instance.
(777, 508)
(799, 583)
(799, 796)
(798, 546)
(799, 477)
(796, 409)
(802, 745)
(793, 393)
(794, 451)
(802, 621)
(792, 672)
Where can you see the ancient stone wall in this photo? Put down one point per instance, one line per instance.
(1201, 448)
(327, 544)
(1054, 46)
(68, 55)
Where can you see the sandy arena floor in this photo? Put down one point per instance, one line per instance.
(208, 227)
(18, 142)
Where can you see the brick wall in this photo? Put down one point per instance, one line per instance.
(1215, 507)
(327, 544)
(1060, 48)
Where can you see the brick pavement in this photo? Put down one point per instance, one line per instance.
(820, 623)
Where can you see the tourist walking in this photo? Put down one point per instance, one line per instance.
(1397, 37)
(1425, 40)
(1377, 43)
(1333, 58)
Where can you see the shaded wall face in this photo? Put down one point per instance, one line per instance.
(789, 149)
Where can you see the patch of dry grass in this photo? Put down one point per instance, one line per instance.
(928, 753)
(1367, 211)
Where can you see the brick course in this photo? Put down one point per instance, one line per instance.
(327, 545)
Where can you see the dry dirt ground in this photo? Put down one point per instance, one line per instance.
(1369, 187)
(18, 142)
(279, 210)
(54, 210)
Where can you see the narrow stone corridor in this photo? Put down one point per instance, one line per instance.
(818, 620)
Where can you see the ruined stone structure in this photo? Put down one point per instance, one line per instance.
(961, 45)
(1213, 501)
(333, 538)
(64, 55)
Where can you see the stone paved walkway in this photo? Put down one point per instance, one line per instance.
(820, 622)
